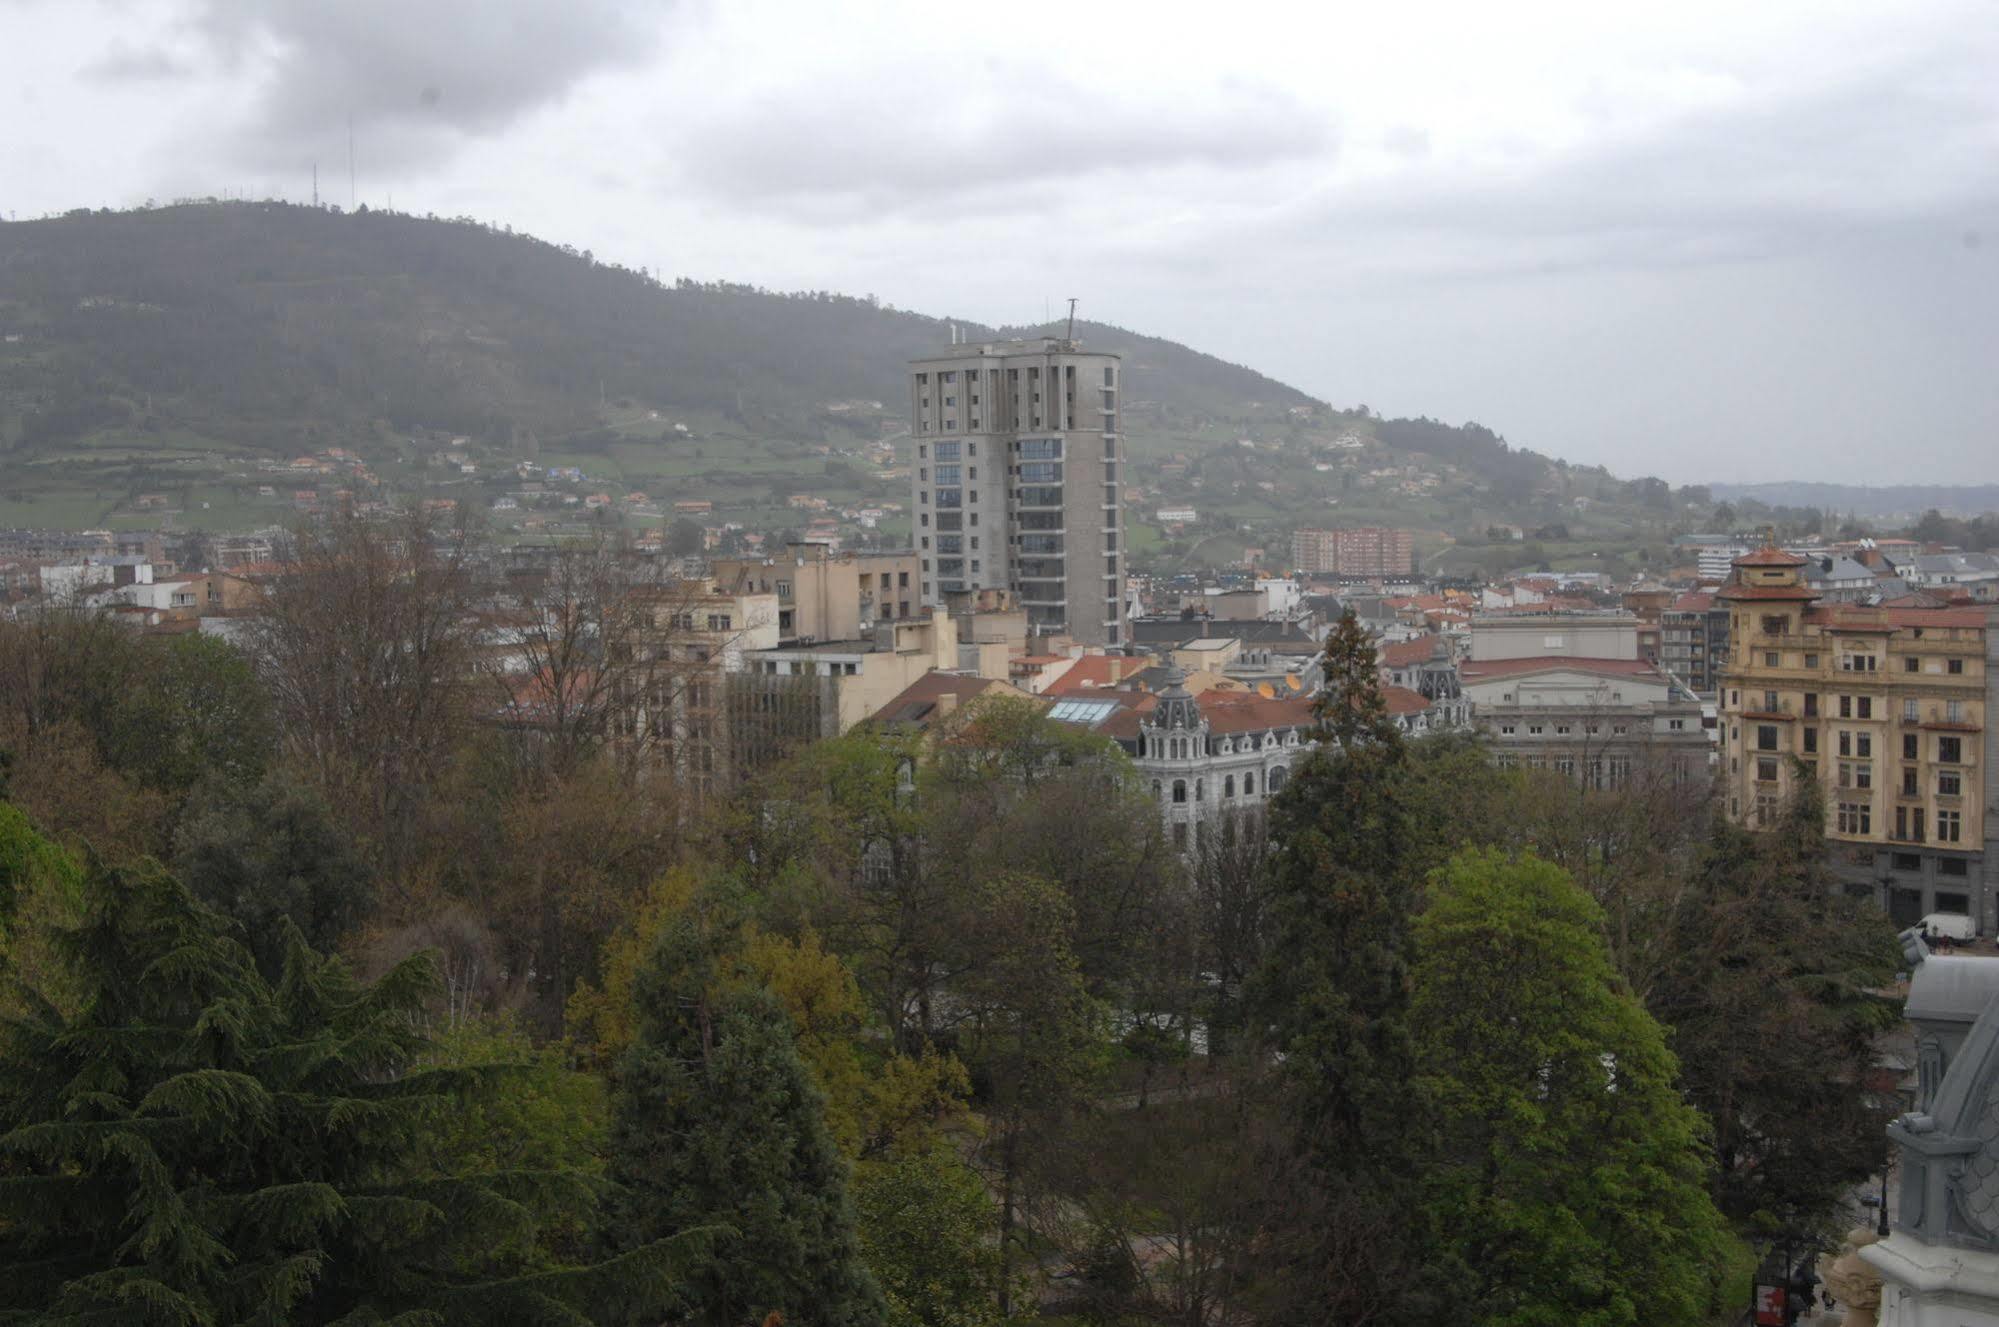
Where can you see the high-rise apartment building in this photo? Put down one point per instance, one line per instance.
(1358, 551)
(1018, 480)
(1890, 710)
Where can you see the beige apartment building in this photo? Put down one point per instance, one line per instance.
(1377, 551)
(791, 695)
(824, 595)
(1040, 418)
(1888, 709)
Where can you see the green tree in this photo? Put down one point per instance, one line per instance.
(1770, 987)
(1332, 995)
(189, 1143)
(1031, 1036)
(1568, 1179)
(198, 713)
(269, 852)
(716, 1121)
(927, 1228)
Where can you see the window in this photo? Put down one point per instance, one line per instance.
(1863, 745)
(1811, 661)
(1811, 702)
(1845, 742)
(1950, 826)
(1909, 782)
(1773, 626)
(1905, 861)
(1867, 707)
(1249, 785)
(1909, 711)
(1228, 786)
(1846, 707)
(1855, 818)
(1811, 741)
(1953, 866)
(1766, 769)
(1950, 784)
(1950, 751)
(1771, 659)
(719, 622)
(1910, 663)
(1955, 666)
(1766, 737)
(1909, 746)
(946, 451)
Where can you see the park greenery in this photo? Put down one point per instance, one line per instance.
(415, 1017)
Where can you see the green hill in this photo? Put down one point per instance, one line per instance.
(166, 365)
(244, 317)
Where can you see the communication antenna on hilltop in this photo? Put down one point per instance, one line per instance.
(1072, 317)
(315, 185)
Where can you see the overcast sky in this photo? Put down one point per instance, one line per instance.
(1708, 240)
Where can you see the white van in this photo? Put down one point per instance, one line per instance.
(1950, 925)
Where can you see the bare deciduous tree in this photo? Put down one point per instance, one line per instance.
(365, 637)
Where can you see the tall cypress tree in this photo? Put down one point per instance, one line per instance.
(1332, 997)
(717, 1123)
(187, 1143)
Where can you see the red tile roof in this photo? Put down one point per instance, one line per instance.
(1227, 712)
(1693, 601)
(918, 701)
(1401, 700)
(1402, 653)
(1093, 672)
(1770, 556)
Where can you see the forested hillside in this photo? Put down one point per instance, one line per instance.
(166, 364)
(238, 321)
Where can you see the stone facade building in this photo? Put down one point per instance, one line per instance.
(1208, 754)
(1888, 709)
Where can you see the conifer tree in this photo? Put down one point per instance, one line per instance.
(716, 1123)
(1332, 997)
(186, 1143)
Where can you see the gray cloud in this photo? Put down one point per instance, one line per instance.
(1906, 144)
(137, 64)
(879, 140)
(416, 79)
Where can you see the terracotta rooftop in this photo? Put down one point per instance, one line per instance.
(1227, 712)
(1402, 653)
(1770, 556)
(919, 702)
(1095, 672)
(1401, 700)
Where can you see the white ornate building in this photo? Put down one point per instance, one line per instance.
(1216, 752)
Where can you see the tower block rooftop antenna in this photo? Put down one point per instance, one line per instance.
(1072, 318)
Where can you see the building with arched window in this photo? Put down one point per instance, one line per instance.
(1208, 754)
